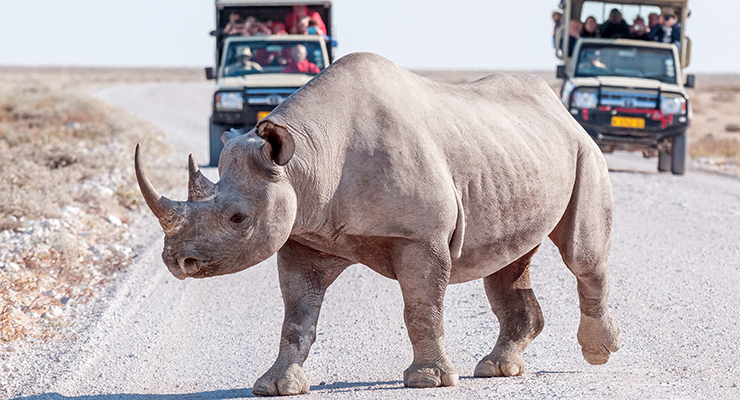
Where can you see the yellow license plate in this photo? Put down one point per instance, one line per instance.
(627, 122)
(262, 114)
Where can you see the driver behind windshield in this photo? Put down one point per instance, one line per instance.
(243, 64)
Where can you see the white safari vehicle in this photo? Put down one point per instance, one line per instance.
(628, 93)
(253, 73)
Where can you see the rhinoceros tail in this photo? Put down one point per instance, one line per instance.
(458, 235)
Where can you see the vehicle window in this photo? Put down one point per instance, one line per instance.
(600, 11)
(264, 57)
(596, 59)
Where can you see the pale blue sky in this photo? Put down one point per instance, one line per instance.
(464, 34)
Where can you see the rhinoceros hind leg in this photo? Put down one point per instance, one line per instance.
(520, 318)
(583, 237)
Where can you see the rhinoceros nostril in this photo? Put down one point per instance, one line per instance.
(190, 265)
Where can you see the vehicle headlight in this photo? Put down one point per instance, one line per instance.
(229, 101)
(584, 99)
(672, 104)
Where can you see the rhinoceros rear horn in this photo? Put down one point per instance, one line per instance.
(280, 140)
(200, 188)
(167, 211)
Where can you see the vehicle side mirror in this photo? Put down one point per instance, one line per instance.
(210, 73)
(560, 72)
(690, 80)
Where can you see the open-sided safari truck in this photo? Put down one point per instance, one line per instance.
(256, 72)
(629, 94)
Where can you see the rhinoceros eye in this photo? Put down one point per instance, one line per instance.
(238, 218)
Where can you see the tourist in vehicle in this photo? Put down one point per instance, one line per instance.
(302, 26)
(590, 28)
(314, 28)
(299, 12)
(557, 19)
(272, 58)
(300, 64)
(252, 27)
(243, 64)
(277, 28)
(233, 17)
(574, 34)
(615, 27)
(236, 29)
(669, 31)
(638, 30)
(653, 21)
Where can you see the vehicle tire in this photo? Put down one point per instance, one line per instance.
(664, 161)
(216, 145)
(680, 153)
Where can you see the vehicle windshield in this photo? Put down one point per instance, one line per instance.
(600, 59)
(269, 57)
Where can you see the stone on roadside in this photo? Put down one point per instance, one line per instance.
(70, 210)
(114, 220)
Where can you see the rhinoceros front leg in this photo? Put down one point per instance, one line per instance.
(423, 275)
(304, 276)
(520, 318)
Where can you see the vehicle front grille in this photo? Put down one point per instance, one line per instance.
(268, 96)
(614, 97)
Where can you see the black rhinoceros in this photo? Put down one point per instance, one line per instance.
(425, 183)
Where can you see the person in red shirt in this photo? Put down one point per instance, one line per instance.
(300, 64)
(301, 11)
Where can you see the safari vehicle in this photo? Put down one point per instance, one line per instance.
(629, 94)
(251, 72)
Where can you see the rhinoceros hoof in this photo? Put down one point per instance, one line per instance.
(497, 365)
(282, 382)
(599, 337)
(430, 376)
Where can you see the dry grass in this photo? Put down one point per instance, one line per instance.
(68, 192)
(727, 149)
(714, 140)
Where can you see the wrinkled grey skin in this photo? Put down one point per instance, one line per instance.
(426, 183)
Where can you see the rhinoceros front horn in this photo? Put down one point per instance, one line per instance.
(167, 211)
(200, 188)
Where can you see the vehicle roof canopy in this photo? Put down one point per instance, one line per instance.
(249, 3)
(577, 5)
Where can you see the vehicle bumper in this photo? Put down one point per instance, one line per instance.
(246, 116)
(657, 131)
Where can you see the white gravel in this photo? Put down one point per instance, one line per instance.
(675, 274)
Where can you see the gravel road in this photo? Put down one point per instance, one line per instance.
(675, 278)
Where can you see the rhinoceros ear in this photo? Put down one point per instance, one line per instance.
(231, 134)
(280, 141)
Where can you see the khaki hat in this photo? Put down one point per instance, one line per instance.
(246, 52)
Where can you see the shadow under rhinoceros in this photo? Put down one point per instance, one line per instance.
(212, 395)
(219, 394)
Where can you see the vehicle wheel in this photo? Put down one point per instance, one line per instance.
(664, 161)
(680, 152)
(215, 141)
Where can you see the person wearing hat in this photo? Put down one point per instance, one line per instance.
(615, 27)
(668, 31)
(243, 64)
